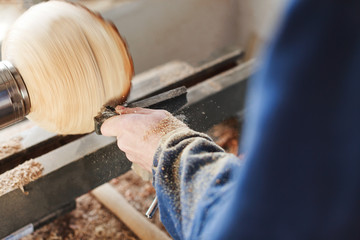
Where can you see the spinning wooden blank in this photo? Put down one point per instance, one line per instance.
(72, 62)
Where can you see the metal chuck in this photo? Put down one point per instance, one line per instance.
(14, 97)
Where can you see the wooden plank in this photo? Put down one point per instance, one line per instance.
(118, 205)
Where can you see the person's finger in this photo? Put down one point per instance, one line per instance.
(112, 126)
(123, 110)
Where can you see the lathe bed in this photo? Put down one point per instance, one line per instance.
(76, 164)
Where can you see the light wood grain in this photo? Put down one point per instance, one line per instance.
(72, 62)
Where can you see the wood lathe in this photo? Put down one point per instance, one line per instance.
(82, 163)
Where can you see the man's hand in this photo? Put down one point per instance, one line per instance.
(138, 132)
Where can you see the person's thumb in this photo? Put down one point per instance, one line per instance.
(112, 126)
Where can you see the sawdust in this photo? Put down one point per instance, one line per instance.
(165, 126)
(10, 147)
(20, 176)
(91, 221)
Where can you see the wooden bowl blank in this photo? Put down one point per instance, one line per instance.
(72, 62)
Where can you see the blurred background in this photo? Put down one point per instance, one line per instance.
(159, 31)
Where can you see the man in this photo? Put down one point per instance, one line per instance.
(301, 176)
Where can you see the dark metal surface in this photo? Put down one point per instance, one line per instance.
(218, 98)
(165, 100)
(209, 102)
(67, 207)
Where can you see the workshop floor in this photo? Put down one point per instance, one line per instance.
(91, 220)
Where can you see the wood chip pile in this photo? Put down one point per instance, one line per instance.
(20, 176)
(9, 147)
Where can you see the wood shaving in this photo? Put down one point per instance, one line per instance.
(20, 176)
(89, 221)
(10, 147)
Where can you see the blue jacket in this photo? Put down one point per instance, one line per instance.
(301, 175)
